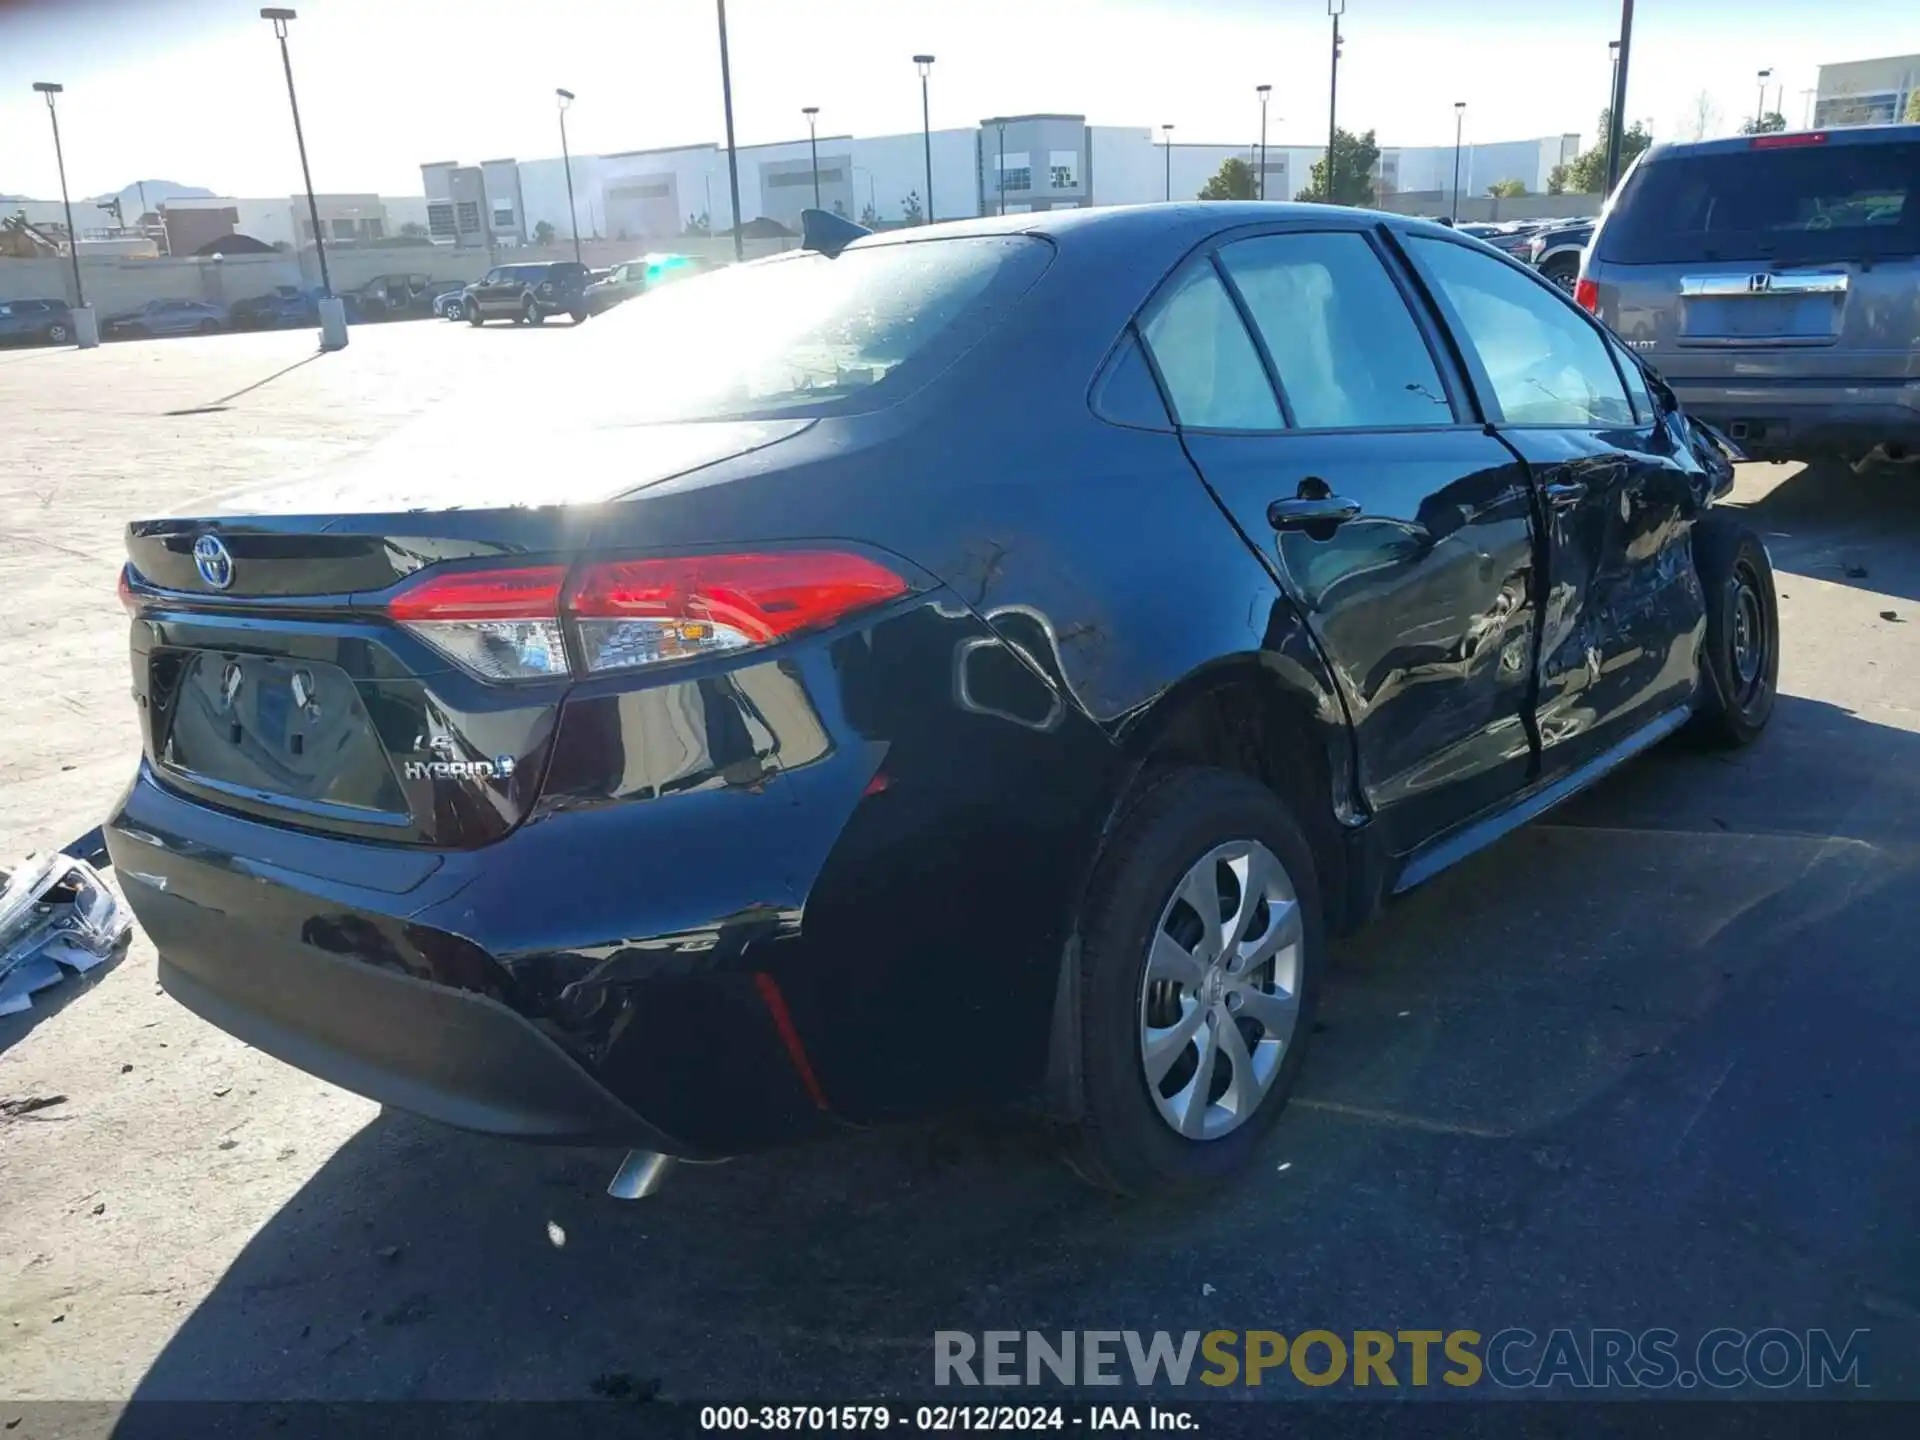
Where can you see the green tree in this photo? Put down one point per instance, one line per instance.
(1507, 189)
(911, 210)
(1767, 124)
(1233, 181)
(543, 233)
(1557, 180)
(1587, 175)
(1913, 108)
(1354, 158)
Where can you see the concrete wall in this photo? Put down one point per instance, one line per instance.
(116, 285)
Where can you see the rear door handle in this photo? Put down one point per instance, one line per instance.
(1302, 513)
(1566, 495)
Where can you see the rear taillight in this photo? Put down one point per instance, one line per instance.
(500, 624)
(128, 600)
(511, 624)
(1586, 294)
(1788, 142)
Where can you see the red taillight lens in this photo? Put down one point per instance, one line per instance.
(500, 624)
(638, 612)
(125, 586)
(1586, 294)
(1788, 142)
(508, 624)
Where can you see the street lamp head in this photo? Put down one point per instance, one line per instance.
(925, 62)
(1166, 129)
(565, 95)
(272, 14)
(1263, 89)
(809, 109)
(1459, 105)
(1613, 48)
(1336, 7)
(48, 87)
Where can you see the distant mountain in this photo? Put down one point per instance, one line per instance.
(158, 192)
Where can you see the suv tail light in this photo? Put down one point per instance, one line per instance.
(623, 614)
(1586, 294)
(1787, 142)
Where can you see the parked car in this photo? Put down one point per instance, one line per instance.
(166, 317)
(284, 305)
(45, 321)
(1775, 281)
(1556, 252)
(633, 277)
(400, 297)
(527, 294)
(798, 751)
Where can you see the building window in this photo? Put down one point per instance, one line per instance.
(1064, 166)
(468, 212)
(440, 219)
(343, 229)
(375, 230)
(1015, 171)
(502, 216)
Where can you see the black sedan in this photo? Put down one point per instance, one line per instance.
(989, 661)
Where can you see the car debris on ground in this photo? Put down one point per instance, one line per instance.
(56, 914)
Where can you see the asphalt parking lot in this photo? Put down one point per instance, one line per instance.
(1651, 1062)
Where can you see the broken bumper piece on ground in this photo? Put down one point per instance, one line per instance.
(54, 912)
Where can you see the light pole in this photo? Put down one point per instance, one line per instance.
(333, 313)
(83, 328)
(1459, 126)
(1264, 91)
(1167, 130)
(1335, 8)
(925, 64)
(813, 148)
(1613, 76)
(1616, 121)
(1003, 166)
(1760, 115)
(566, 158)
(733, 159)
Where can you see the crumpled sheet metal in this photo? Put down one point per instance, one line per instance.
(54, 912)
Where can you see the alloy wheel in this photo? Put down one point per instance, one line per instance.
(1220, 998)
(57, 334)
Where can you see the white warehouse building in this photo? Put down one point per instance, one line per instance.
(1026, 162)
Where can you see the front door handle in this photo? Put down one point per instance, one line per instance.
(1307, 513)
(1566, 495)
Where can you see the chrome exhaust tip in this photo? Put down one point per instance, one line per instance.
(641, 1174)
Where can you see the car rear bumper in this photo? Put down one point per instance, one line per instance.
(1781, 419)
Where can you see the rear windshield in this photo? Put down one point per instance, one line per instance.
(1806, 202)
(798, 333)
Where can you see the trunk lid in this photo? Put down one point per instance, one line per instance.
(271, 679)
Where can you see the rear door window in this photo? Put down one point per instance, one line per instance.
(1206, 358)
(1345, 346)
(1832, 201)
(1545, 363)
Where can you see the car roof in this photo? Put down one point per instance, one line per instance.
(1783, 139)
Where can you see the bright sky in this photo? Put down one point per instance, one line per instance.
(192, 91)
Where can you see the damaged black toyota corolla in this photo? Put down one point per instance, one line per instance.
(981, 663)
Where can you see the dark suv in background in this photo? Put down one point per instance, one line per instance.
(528, 293)
(1774, 280)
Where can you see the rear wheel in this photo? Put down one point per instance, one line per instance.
(1202, 948)
(530, 312)
(580, 317)
(58, 334)
(474, 317)
(1740, 663)
(1563, 271)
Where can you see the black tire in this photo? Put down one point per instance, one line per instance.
(474, 317)
(58, 334)
(1740, 659)
(530, 313)
(579, 317)
(1123, 1144)
(1563, 272)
